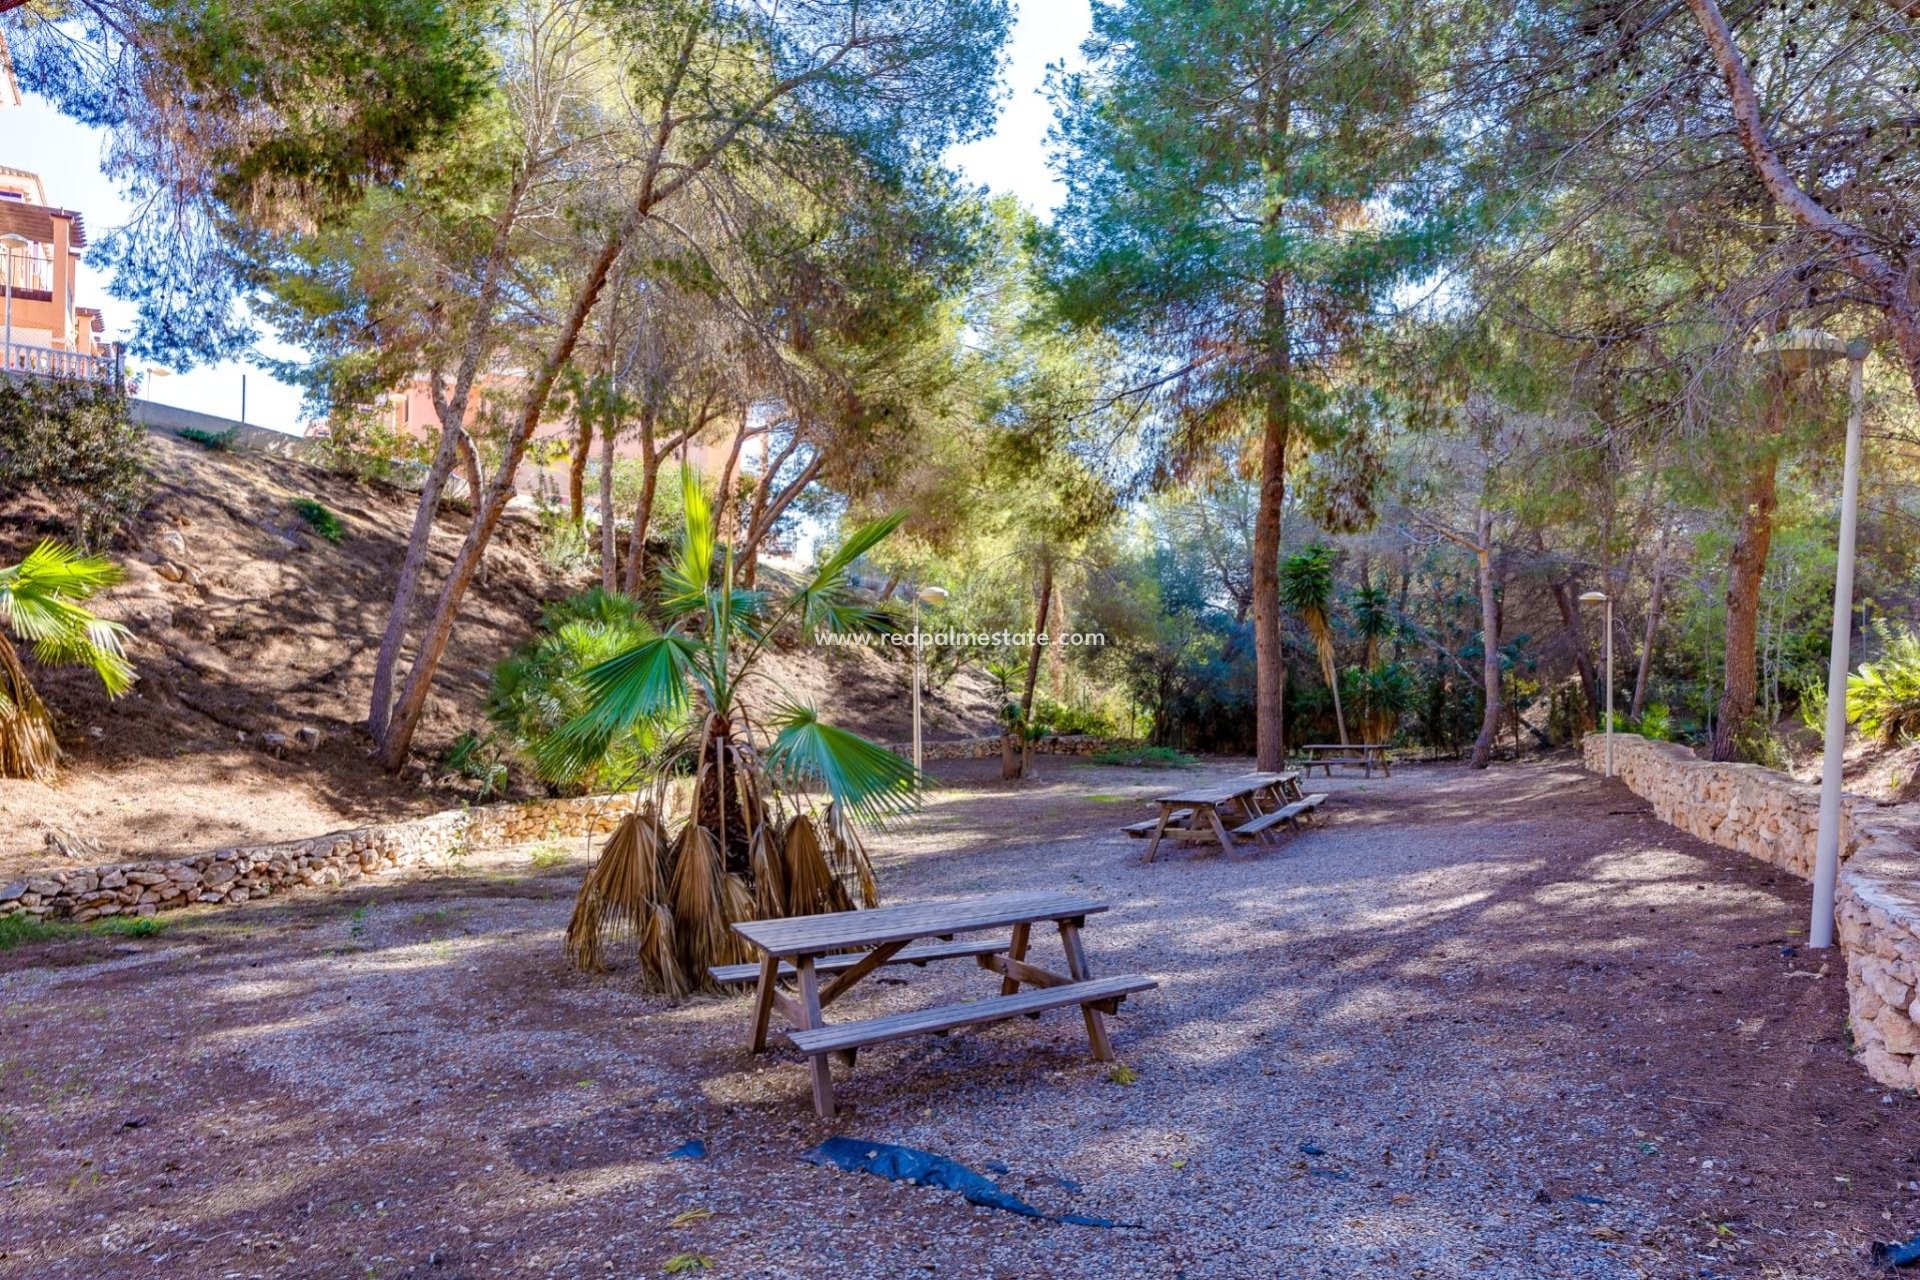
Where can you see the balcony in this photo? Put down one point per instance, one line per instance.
(26, 275)
(50, 362)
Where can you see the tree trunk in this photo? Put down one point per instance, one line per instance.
(487, 512)
(1653, 632)
(577, 469)
(643, 509)
(609, 539)
(1033, 662)
(406, 587)
(1569, 605)
(1269, 654)
(1744, 574)
(1489, 644)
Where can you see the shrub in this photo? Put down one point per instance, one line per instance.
(74, 442)
(216, 441)
(369, 450)
(477, 758)
(537, 689)
(565, 546)
(1883, 697)
(1144, 757)
(323, 521)
(1656, 722)
(1071, 720)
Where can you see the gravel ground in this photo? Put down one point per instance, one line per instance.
(1490, 1026)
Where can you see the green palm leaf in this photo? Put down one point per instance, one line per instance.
(685, 583)
(824, 603)
(40, 602)
(644, 682)
(865, 779)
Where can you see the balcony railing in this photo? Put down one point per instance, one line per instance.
(48, 362)
(25, 272)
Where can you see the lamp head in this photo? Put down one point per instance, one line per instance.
(933, 595)
(1593, 597)
(1797, 350)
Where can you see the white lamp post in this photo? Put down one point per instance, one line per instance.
(1601, 597)
(1799, 349)
(932, 595)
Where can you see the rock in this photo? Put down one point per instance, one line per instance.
(170, 571)
(274, 741)
(307, 736)
(170, 544)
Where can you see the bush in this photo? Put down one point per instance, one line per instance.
(477, 758)
(74, 442)
(537, 690)
(370, 450)
(565, 546)
(322, 521)
(1144, 757)
(1071, 720)
(216, 441)
(1883, 697)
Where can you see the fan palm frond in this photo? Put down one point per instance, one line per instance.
(867, 781)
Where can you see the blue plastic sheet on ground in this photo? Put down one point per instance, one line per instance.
(690, 1150)
(1904, 1254)
(923, 1168)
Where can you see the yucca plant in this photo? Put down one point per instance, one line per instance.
(41, 604)
(1306, 587)
(1883, 697)
(754, 846)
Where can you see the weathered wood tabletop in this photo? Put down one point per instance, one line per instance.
(1325, 755)
(886, 933)
(1252, 794)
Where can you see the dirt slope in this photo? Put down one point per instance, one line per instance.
(247, 623)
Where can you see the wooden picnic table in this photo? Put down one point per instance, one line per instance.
(849, 945)
(1328, 754)
(1254, 803)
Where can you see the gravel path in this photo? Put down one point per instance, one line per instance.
(1487, 1026)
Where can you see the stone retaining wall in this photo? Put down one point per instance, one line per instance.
(258, 871)
(1768, 815)
(1059, 744)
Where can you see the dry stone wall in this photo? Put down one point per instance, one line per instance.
(258, 871)
(1770, 816)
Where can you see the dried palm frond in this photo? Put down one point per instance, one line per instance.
(849, 856)
(699, 914)
(810, 881)
(769, 869)
(618, 892)
(28, 748)
(659, 961)
(736, 902)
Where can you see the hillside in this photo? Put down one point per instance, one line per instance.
(248, 624)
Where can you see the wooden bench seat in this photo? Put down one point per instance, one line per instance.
(1289, 814)
(844, 1036)
(1142, 830)
(727, 974)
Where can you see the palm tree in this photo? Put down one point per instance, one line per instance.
(752, 846)
(1373, 620)
(40, 603)
(1306, 587)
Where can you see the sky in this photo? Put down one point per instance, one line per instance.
(66, 155)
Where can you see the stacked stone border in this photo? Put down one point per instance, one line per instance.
(1768, 815)
(259, 871)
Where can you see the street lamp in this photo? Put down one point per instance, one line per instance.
(1601, 597)
(1797, 350)
(932, 595)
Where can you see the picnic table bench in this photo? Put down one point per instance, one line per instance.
(849, 945)
(1253, 805)
(1325, 755)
